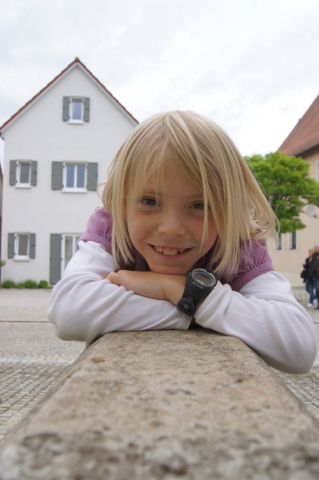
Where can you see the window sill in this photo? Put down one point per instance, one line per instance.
(21, 259)
(22, 185)
(76, 122)
(74, 190)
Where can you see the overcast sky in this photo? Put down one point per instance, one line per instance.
(249, 65)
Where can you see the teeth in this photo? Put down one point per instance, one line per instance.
(168, 252)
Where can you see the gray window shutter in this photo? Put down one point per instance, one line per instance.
(57, 175)
(86, 116)
(55, 257)
(92, 176)
(66, 109)
(34, 173)
(13, 174)
(10, 245)
(32, 245)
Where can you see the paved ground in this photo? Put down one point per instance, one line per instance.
(32, 357)
(306, 387)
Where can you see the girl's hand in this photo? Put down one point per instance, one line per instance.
(150, 284)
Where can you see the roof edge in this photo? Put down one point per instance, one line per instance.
(295, 132)
(38, 94)
(106, 90)
(307, 151)
(72, 64)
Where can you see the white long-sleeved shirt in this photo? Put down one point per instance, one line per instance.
(264, 313)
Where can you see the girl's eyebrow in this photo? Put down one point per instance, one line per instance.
(184, 198)
(150, 192)
(199, 197)
(157, 192)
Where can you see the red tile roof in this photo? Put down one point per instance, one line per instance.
(304, 138)
(76, 61)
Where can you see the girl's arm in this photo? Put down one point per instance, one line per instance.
(264, 314)
(84, 305)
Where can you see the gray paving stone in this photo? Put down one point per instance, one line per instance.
(31, 356)
(35, 343)
(24, 305)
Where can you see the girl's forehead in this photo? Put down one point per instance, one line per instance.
(170, 179)
(160, 169)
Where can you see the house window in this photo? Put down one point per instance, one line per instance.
(23, 173)
(21, 246)
(292, 240)
(76, 109)
(74, 177)
(279, 243)
(69, 247)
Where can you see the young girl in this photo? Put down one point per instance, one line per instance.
(179, 196)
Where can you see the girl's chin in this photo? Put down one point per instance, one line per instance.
(169, 270)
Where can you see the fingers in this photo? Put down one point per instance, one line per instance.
(114, 278)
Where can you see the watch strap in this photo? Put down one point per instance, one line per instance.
(186, 306)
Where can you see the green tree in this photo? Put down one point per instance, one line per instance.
(287, 186)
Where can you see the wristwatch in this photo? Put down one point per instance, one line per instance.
(199, 284)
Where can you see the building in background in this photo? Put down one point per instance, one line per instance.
(57, 150)
(303, 141)
(1, 182)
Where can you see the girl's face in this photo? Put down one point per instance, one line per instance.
(165, 222)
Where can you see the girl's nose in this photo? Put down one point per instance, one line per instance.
(171, 225)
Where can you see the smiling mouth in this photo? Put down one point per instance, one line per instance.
(170, 252)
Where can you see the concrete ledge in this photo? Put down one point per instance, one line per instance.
(167, 404)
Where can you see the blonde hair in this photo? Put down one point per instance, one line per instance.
(211, 160)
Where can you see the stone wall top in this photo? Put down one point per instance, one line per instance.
(166, 404)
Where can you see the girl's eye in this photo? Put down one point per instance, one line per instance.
(148, 201)
(198, 206)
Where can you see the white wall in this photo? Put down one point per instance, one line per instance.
(1, 210)
(0, 191)
(40, 134)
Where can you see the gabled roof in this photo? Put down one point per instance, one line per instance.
(76, 62)
(304, 138)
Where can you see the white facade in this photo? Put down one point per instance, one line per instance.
(0, 212)
(39, 134)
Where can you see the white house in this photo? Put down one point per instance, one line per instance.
(57, 150)
(1, 181)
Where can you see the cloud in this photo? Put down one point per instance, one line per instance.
(248, 65)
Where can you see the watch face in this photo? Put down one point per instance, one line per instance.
(203, 278)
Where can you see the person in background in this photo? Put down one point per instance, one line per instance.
(314, 270)
(309, 286)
